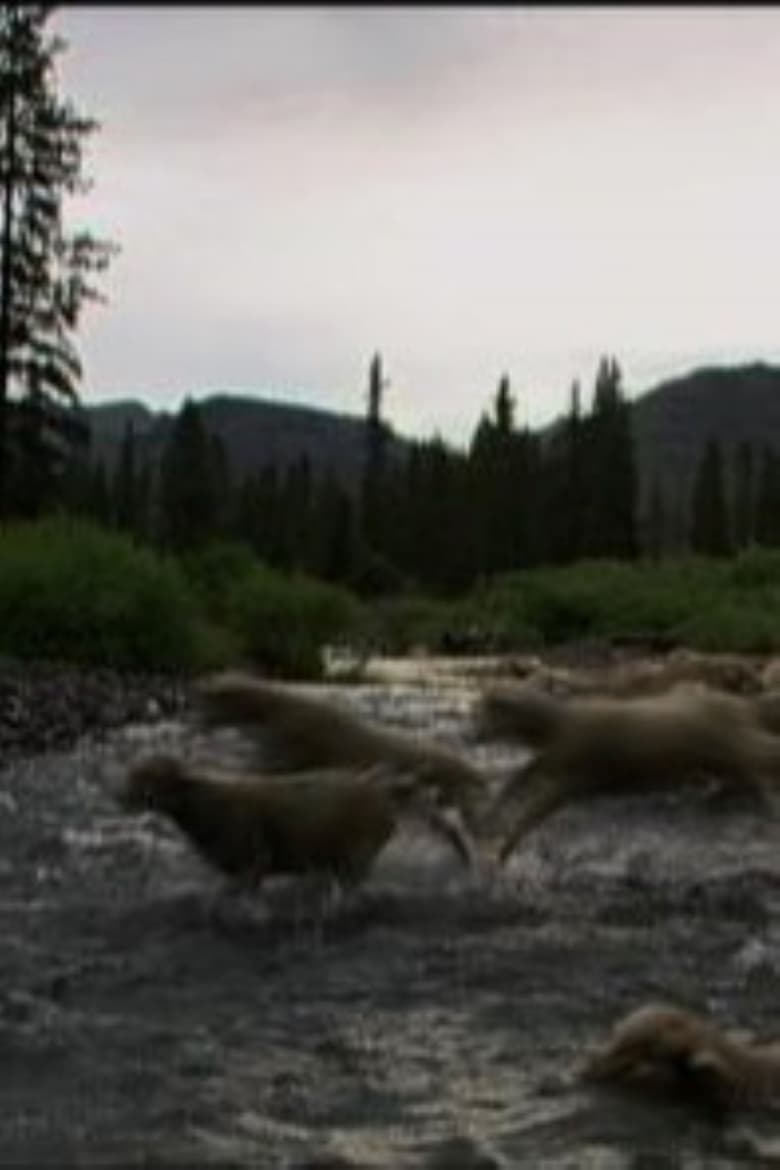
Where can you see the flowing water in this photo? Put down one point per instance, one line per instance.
(432, 1019)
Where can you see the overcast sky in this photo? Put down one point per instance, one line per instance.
(467, 190)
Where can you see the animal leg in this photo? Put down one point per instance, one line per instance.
(552, 791)
(446, 824)
(517, 785)
(240, 886)
(414, 800)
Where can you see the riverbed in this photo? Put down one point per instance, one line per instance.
(433, 1019)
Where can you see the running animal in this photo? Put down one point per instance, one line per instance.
(730, 673)
(523, 712)
(332, 821)
(590, 747)
(296, 731)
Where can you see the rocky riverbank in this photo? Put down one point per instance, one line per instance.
(46, 706)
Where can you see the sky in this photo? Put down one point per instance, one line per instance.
(470, 191)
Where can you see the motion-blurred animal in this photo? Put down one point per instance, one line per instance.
(296, 731)
(521, 711)
(665, 1048)
(589, 747)
(730, 673)
(332, 821)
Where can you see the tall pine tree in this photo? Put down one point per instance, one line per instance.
(610, 475)
(46, 273)
(191, 502)
(375, 457)
(767, 512)
(744, 490)
(656, 534)
(709, 515)
(501, 462)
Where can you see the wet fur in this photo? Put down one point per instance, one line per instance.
(330, 821)
(300, 731)
(587, 747)
(658, 1046)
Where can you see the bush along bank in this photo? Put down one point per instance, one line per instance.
(73, 592)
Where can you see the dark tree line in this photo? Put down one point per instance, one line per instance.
(732, 508)
(438, 519)
(441, 518)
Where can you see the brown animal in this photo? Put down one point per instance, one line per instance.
(770, 675)
(766, 710)
(731, 673)
(737, 673)
(595, 746)
(298, 731)
(331, 821)
(659, 1047)
(519, 711)
(523, 712)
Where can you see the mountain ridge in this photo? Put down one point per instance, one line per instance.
(672, 422)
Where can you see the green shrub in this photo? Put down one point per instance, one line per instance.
(562, 610)
(396, 625)
(284, 622)
(215, 569)
(498, 621)
(651, 601)
(729, 626)
(70, 590)
(610, 598)
(217, 646)
(756, 567)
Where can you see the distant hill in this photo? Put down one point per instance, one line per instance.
(672, 423)
(255, 431)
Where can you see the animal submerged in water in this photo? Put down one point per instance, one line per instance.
(586, 747)
(663, 1048)
(298, 731)
(332, 821)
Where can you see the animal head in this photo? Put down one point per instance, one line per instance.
(658, 1042)
(522, 711)
(233, 697)
(152, 783)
